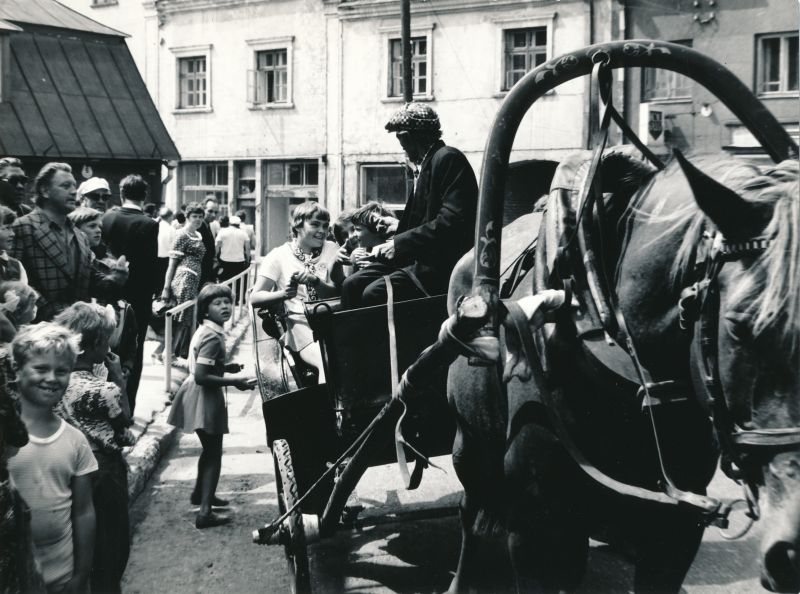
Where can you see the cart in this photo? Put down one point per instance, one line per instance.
(324, 437)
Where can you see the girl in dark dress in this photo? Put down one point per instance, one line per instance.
(199, 405)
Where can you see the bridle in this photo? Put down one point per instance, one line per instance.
(699, 307)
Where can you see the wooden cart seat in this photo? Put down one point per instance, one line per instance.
(355, 348)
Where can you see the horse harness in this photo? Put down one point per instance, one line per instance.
(699, 312)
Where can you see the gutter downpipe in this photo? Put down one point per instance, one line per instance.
(589, 111)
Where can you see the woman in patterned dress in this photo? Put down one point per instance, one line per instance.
(182, 282)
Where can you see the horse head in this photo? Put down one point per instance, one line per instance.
(747, 345)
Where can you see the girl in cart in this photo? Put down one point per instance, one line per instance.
(199, 405)
(300, 270)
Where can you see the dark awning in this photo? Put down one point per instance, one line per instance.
(78, 95)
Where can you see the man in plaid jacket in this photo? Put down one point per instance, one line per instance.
(56, 256)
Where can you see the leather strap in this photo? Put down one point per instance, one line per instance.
(672, 496)
(411, 480)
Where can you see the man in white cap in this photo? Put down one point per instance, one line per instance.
(94, 193)
(233, 249)
(438, 222)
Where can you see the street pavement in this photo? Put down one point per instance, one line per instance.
(406, 542)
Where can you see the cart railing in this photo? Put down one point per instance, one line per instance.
(240, 286)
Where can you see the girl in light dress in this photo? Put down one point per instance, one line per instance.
(303, 269)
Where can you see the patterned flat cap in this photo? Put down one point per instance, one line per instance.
(412, 117)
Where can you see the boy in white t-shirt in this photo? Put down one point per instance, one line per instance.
(52, 471)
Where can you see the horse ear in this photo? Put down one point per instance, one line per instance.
(734, 216)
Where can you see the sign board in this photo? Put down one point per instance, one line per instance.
(651, 125)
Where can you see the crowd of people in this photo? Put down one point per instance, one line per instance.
(77, 286)
(77, 281)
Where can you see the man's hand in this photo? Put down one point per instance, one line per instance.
(387, 225)
(384, 251)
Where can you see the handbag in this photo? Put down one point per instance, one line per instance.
(161, 307)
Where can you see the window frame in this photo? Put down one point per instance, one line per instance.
(673, 77)
(783, 66)
(529, 52)
(202, 187)
(193, 51)
(362, 182)
(264, 44)
(503, 25)
(415, 60)
(286, 164)
(393, 33)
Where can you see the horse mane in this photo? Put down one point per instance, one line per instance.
(774, 279)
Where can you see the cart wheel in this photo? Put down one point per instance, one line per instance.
(296, 553)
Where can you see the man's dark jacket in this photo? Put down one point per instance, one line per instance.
(438, 224)
(130, 232)
(207, 274)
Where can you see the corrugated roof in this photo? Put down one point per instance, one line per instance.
(79, 97)
(51, 14)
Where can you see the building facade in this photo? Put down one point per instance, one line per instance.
(757, 41)
(272, 102)
(467, 54)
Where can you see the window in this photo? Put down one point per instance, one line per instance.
(419, 66)
(524, 50)
(661, 85)
(269, 83)
(246, 187)
(198, 180)
(292, 173)
(193, 78)
(777, 63)
(272, 77)
(387, 183)
(192, 82)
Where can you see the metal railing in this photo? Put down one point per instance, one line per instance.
(239, 284)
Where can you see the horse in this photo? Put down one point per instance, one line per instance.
(705, 277)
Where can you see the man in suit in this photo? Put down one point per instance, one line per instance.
(128, 231)
(57, 257)
(438, 223)
(208, 272)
